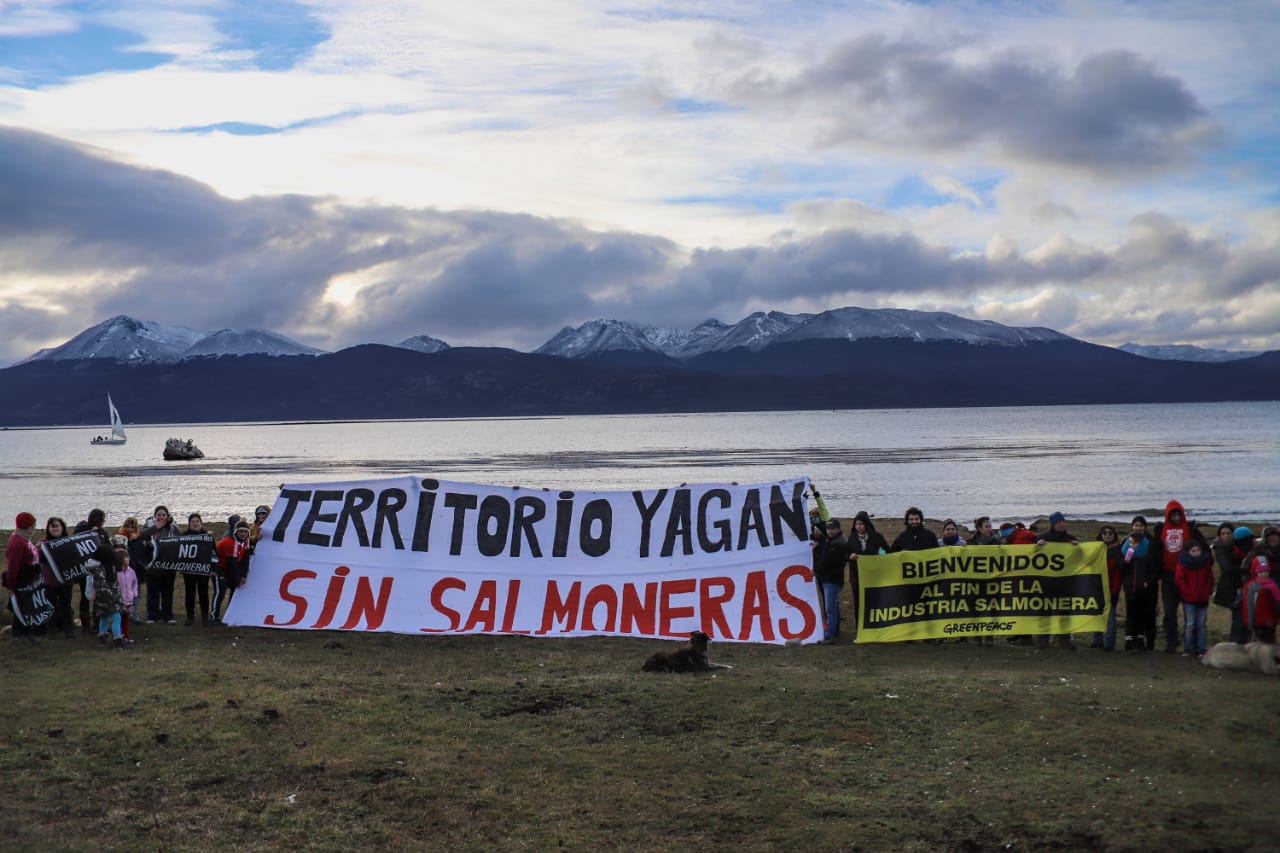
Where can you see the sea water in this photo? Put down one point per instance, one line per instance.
(1221, 460)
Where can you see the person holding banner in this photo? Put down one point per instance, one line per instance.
(1057, 532)
(59, 593)
(916, 537)
(233, 565)
(159, 583)
(1107, 536)
(828, 567)
(866, 540)
(193, 583)
(22, 568)
(94, 521)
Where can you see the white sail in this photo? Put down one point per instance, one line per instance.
(117, 425)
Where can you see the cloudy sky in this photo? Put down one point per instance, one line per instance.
(345, 171)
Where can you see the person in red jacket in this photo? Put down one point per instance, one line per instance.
(1194, 577)
(233, 566)
(1169, 538)
(22, 566)
(1260, 597)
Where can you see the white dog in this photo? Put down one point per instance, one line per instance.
(1251, 657)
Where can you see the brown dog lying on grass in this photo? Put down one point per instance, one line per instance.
(1251, 657)
(692, 658)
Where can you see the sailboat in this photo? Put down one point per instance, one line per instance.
(117, 427)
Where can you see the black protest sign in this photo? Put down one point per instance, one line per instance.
(69, 557)
(31, 604)
(192, 553)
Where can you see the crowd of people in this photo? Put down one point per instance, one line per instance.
(122, 588)
(1166, 570)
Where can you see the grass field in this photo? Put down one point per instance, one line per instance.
(201, 739)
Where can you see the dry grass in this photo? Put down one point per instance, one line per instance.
(258, 739)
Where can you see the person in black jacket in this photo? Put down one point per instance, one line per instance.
(88, 618)
(916, 537)
(865, 540)
(828, 567)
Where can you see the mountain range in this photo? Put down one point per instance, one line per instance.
(841, 359)
(129, 340)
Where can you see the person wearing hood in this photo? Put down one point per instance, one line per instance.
(828, 568)
(22, 566)
(1261, 595)
(864, 541)
(1230, 547)
(1194, 577)
(260, 514)
(916, 537)
(1169, 538)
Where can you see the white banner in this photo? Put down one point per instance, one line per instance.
(413, 556)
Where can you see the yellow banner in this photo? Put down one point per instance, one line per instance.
(983, 590)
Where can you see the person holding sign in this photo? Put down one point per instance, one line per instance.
(159, 583)
(93, 522)
(193, 583)
(866, 540)
(22, 568)
(60, 595)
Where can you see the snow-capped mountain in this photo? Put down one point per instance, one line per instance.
(858, 323)
(247, 342)
(123, 338)
(129, 340)
(756, 331)
(608, 336)
(423, 343)
(759, 330)
(1185, 352)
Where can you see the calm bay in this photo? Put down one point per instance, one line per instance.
(1221, 460)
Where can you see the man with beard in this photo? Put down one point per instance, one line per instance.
(916, 537)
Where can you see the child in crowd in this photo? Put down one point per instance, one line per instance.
(1194, 577)
(1260, 598)
(106, 596)
(128, 579)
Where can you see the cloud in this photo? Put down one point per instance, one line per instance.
(1113, 115)
(128, 239)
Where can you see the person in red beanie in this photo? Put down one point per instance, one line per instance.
(22, 566)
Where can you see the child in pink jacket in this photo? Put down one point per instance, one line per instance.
(128, 580)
